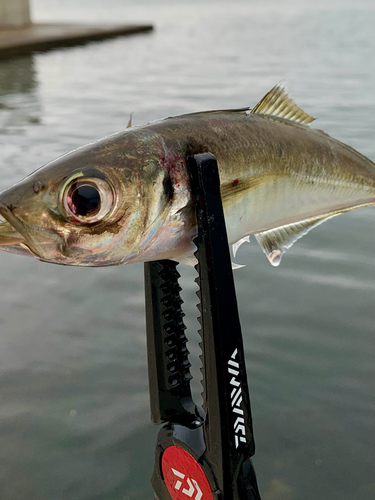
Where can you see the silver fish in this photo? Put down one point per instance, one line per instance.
(126, 198)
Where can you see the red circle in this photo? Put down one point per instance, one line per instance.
(183, 476)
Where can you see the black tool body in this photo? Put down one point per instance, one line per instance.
(202, 454)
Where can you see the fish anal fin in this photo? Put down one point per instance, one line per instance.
(278, 103)
(276, 241)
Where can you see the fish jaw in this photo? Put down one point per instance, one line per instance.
(11, 240)
(21, 236)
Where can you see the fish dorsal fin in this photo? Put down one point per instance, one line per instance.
(278, 103)
(276, 241)
(130, 122)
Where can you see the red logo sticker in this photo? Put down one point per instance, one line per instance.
(183, 476)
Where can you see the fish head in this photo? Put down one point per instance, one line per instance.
(99, 205)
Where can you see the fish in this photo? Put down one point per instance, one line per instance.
(126, 198)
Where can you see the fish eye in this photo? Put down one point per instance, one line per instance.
(88, 200)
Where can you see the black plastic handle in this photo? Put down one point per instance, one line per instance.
(168, 362)
(228, 430)
(200, 454)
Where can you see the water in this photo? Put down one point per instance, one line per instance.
(74, 410)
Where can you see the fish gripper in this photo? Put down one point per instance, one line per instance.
(201, 453)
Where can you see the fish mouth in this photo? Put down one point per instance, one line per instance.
(14, 236)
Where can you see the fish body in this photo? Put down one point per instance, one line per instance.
(127, 198)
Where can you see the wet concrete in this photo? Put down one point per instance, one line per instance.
(41, 37)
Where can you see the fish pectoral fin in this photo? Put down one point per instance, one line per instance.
(278, 103)
(275, 242)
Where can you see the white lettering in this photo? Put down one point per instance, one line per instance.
(236, 400)
(192, 483)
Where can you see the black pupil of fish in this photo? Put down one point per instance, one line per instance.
(85, 200)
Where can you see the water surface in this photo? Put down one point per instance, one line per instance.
(74, 412)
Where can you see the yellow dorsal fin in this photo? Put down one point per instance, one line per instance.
(278, 103)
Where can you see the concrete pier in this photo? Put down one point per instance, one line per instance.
(17, 41)
(14, 13)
